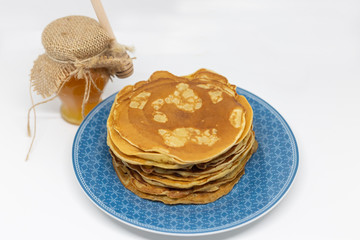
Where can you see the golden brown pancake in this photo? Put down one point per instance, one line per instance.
(173, 196)
(180, 119)
(180, 140)
(173, 181)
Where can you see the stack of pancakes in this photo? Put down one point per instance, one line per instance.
(180, 140)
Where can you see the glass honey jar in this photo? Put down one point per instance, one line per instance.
(80, 57)
(72, 93)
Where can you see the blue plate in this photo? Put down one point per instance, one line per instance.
(268, 176)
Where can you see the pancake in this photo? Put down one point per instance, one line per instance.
(179, 119)
(124, 149)
(180, 140)
(183, 183)
(169, 196)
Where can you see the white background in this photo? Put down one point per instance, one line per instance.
(302, 57)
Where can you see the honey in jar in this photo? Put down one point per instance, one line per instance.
(72, 95)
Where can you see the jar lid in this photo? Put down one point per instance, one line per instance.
(74, 38)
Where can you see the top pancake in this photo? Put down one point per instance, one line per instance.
(191, 119)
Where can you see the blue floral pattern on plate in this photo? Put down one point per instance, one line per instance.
(268, 176)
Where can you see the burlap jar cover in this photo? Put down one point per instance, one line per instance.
(74, 45)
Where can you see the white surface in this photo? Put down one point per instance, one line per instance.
(302, 57)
